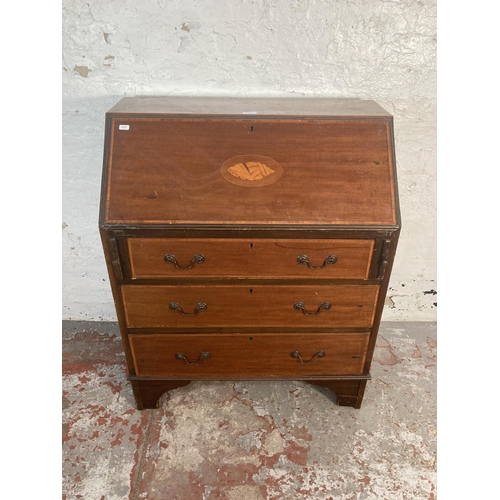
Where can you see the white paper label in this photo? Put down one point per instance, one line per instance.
(124, 127)
(249, 112)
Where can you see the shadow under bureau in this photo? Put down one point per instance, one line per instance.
(249, 239)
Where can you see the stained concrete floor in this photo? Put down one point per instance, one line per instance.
(249, 440)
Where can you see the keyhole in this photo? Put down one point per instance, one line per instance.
(251, 291)
(251, 128)
(251, 246)
(251, 338)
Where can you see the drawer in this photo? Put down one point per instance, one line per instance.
(232, 258)
(254, 355)
(243, 306)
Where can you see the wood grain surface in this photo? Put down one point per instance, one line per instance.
(147, 306)
(242, 354)
(256, 258)
(334, 172)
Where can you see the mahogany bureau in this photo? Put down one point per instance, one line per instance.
(249, 239)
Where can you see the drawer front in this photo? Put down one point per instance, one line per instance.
(243, 306)
(249, 355)
(232, 258)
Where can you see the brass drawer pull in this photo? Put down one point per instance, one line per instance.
(304, 259)
(197, 259)
(203, 355)
(296, 354)
(300, 306)
(200, 307)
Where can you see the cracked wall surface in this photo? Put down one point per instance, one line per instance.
(384, 51)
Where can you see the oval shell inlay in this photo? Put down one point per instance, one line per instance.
(251, 170)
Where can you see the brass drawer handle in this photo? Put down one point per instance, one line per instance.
(203, 355)
(197, 259)
(300, 306)
(304, 259)
(200, 307)
(296, 354)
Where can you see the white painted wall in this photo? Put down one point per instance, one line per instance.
(373, 49)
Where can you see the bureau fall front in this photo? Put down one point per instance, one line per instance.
(249, 239)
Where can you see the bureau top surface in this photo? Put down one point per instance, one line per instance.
(214, 161)
(220, 106)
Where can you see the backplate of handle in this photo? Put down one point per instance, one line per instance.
(203, 355)
(197, 259)
(200, 307)
(304, 259)
(300, 306)
(296, 354)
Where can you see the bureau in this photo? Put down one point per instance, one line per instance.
(248, 239)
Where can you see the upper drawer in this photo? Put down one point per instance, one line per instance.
(232, 258)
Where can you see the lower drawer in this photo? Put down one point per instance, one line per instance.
(249, 355)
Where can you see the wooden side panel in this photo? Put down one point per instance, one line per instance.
(334, 172)
(234, 258)
(247, 355)
(241, 306)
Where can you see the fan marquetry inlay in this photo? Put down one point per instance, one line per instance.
(250, 170)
